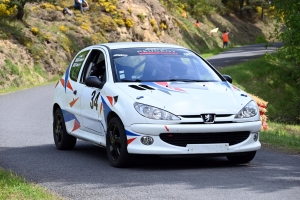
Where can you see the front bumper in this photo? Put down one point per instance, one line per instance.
(159, 147)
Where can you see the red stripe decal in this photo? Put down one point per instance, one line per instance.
(73, 102)
(62, 82)
(56, 84)
(130, 140)
(76, 126)
(110, 99)
(69, 85)
(166, 128)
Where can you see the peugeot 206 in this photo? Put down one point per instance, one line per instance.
(153, 98)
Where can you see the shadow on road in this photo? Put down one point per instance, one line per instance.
(88, 165)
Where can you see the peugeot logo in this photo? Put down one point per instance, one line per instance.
(208, 118)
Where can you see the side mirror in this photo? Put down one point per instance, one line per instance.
(228, 78)
(93, 81)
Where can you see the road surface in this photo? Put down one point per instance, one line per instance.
(241, 54)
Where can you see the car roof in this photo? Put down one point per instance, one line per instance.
(121, 45)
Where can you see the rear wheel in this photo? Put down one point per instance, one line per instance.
(116, 144)
(62, 140)
(242, 158)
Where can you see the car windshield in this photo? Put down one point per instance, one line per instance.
(161, 64)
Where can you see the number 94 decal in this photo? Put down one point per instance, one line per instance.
(94, 100)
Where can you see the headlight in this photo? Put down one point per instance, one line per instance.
(250, 110)
(154, 113)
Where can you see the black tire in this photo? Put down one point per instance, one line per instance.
(116, 144)
(62, 140)
(242, 158)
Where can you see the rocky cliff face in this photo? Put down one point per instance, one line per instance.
(40, 47)
(143, 30)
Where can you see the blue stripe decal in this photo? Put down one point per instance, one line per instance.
(106, 108)
(69, 116)
(67, 77)
(128, 133)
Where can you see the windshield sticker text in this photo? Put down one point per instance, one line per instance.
(120, 55)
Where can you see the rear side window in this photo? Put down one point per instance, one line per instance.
(77, 64)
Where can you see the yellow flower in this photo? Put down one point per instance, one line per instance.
(35, 31)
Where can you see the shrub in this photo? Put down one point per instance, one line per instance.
(119, 21)
(63, 28)
(163, 26)
(129, 10)
(4, 11)
(129, 22)
(107, 23)
(47, 6)
(141, 16)
(35, 31)
(85, 27)
(153, 22)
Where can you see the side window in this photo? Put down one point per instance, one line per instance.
(94, 66)
(77, 64)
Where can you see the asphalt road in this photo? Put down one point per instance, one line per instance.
(27, 148)
(242, 54)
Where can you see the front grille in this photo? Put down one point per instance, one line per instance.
(220, 122)
(182, 139)
(199, 116)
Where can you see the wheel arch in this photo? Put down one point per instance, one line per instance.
(55, 106)
(111, 115)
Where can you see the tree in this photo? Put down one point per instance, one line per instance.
(264, 4)
(289, 15)
(19, 4)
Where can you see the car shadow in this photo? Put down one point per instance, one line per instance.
(64, 171)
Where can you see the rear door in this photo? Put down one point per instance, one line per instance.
(73, 88)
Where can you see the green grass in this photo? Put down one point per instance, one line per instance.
(15, 187)
(17, 88)
(273, 81)
(209, 53)
(14, 69)
(283, 136)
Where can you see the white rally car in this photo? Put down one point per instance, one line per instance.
(153, 98)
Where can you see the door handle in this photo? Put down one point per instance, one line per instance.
(75, 92)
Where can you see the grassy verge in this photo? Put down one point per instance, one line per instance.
(14, 187)
(216, 51)
(272, 80)
(17, 88)
(283, 137)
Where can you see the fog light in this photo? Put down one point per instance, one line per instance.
(147, 140)
(255, 137)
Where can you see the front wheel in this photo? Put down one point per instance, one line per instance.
(241, 158)
(62, 140)
(116, 144)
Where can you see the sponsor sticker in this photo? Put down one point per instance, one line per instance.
(120, 55)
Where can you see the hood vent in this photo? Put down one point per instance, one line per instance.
(141, 87)
(147, 87)
(137, 87)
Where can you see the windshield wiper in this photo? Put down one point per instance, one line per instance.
(187, 80)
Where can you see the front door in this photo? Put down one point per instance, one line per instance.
(91, 103)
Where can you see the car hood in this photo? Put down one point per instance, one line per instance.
(188, 98)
